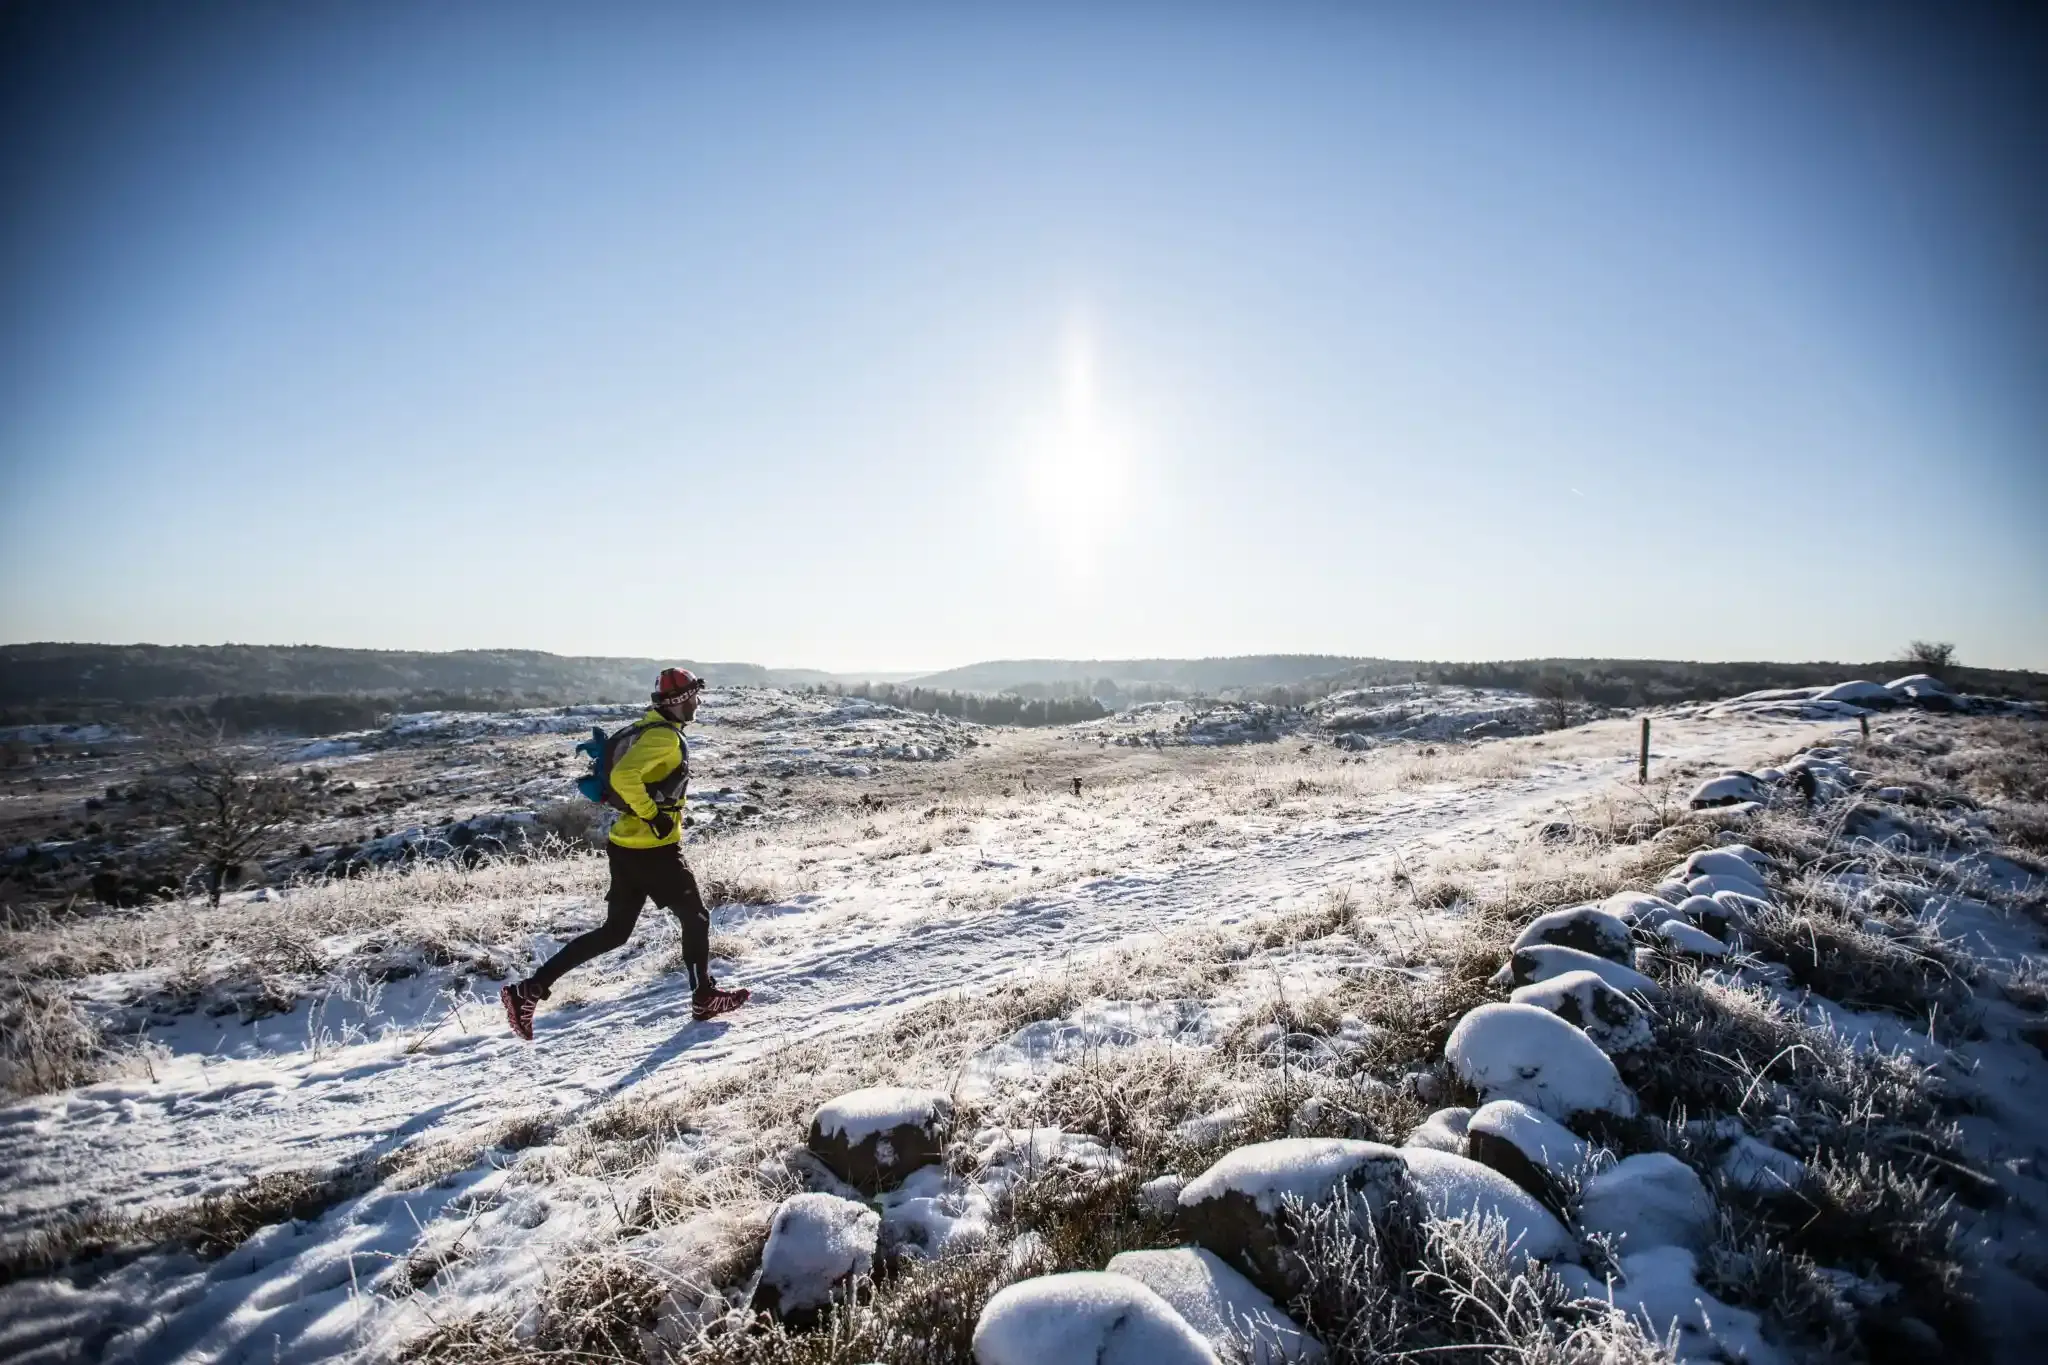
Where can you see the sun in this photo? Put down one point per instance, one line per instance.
(1079, 464)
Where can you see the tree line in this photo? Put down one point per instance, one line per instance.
(1002, 708)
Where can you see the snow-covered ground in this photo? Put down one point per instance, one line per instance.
(873, 912)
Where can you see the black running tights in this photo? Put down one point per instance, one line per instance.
(638, 875)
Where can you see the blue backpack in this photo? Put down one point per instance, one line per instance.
(603, 750)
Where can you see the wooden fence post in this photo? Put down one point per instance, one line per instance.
(1643, 761)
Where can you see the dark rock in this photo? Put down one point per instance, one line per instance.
(871, 1154)
(1236, 1207)
(1584, 927)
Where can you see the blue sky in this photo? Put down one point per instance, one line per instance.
(901, 336)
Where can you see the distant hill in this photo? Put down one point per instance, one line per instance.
(69, 681)
(1195, 675)
(60, 673)
(1293, 679)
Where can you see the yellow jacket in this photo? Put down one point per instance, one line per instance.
(651, 776)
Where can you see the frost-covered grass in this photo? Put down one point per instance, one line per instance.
(628, 1229)
(1860, 1257)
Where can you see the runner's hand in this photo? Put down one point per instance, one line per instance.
(663, 824)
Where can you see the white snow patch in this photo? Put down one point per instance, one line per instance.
(1760, 1168)
(1658, 1288)
(1649, 1200)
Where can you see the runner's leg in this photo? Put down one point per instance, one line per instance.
(676, 891)
(622, 910)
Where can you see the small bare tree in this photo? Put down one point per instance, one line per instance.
(1935, 657)
(1556, 691)
(229, 802)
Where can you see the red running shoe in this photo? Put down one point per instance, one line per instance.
(519, 1001)
(712, 1002)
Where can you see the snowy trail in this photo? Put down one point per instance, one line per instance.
(202, 1127)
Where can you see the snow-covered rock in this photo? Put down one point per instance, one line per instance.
(1457, 1188)
(1730, 911)
(1858, 693)
(1727, 790)
(815, 1243)
(1648, 1200)
(1913, 684)
(1756, 858)
(1584, 927)
(1306, 1168)
(1520, 1052)
(873, 1138)
(1670, 891)
(1234, 1315)
(1546, 961)
(1443, 1131)
(1614, 1021)
(1089, 1317)
(1233, 1208)
(1658, 1288)
(1760, 1168)
(1714, 885)
(1724, 862)
(1528, 1147)
(1682, 937)
(1641, 910)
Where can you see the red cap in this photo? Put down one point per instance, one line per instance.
(675, 683)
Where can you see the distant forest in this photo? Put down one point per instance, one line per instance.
(312, 690)
(983, 709)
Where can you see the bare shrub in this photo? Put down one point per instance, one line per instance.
(1400, 1284)
(229, 802)
(46, 1041)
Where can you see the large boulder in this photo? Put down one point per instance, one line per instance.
(1456, 1188)
(1649, 1200)
(816, 1243)
(1233, 1208)
(1520, 1052)
(1089, 1317)
(1528, 1147)
(1612, 1019)
(1587, 928)
(1527, 966)
(873, 1138)
(1235, 1316)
